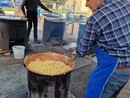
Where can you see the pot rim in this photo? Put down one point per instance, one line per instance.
(72, 64)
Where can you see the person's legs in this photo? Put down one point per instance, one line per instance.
(35, 28)
(118, 91)
(29, 27)
(35, 24)
(116, 82)
(29, 16)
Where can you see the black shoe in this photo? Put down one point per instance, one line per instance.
(37, 41)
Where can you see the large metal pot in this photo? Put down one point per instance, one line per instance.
(43, 86)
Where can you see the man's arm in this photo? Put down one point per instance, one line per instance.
(42, 6)
(91, 34)
(22, 6)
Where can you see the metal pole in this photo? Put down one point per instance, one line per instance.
(73, 14)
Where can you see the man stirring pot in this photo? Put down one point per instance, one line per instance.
(108, 30)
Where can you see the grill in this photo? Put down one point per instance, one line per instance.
(12, 32)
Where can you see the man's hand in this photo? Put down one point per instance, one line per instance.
(74, 55)
(74, 52)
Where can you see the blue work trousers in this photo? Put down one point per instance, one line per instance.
(116, 82)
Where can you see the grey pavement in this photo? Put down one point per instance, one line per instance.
(13, 75)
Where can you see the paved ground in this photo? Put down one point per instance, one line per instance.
(13, 75)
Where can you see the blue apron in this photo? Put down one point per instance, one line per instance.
(102, 72)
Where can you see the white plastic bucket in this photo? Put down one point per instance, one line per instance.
(18, 51)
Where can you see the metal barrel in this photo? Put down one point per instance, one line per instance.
(46, 86)
(53, 28)
(41, 86)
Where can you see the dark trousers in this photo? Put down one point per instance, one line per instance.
(32, 19)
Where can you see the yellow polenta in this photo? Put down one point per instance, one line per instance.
(49, 67)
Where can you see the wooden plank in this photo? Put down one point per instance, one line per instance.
(5, 51)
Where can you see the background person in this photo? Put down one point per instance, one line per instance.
(108, 30)
(31, 14)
